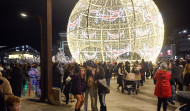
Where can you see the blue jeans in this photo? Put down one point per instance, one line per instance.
(173, 94)
(108, 81)
(137, 83)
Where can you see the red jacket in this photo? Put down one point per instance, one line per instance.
(163, 88)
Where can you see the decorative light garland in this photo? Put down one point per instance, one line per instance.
(115, 36)
(90, 57)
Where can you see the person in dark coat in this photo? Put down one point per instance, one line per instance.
(178, 75)
(150, 65)
(108, 74)
(147, 70)
(172, 82)
(186, 77)
(67, 81)
(101, 89)
(115, 69)
(127, 66)
(142, 71)
(79, 87)
(6, 71)
(163, 87)
(16, 80)
(56, 76)
(26, 67)
(121, 73)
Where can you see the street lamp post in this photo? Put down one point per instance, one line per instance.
(46, 56)
(42, 36)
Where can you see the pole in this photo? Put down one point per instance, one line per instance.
(48, 56)
(43, 77)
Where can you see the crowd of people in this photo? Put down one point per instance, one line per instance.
(12, 80)
(96, 80)
(82, 81)
(169, 77)
(91, 79)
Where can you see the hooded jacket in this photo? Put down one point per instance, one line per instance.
(5, 87)
(163, 88)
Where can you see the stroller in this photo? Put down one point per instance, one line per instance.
(129, 83)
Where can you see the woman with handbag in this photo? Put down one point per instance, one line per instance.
(121, 73)
(102, 88)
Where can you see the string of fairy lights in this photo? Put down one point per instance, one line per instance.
(119, 30)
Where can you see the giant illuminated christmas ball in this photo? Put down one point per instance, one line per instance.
(119, 30)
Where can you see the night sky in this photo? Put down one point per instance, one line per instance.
(15, 30)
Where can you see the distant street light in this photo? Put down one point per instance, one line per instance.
(184, 31)
(23, 14)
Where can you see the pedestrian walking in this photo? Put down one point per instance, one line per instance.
(142, 71)
(108, 74)
(172, 82)
(150, 65)
(79, 87)
(136, 71)
(67, 81)
(56, 76)
(92, 87)
(16, 80)
(121, 73)
(115, 70)
(88, 74)
(163, 88)
(178, 75)
(102, 88)
(186, 77)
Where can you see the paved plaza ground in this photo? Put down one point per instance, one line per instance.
(115, 101)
